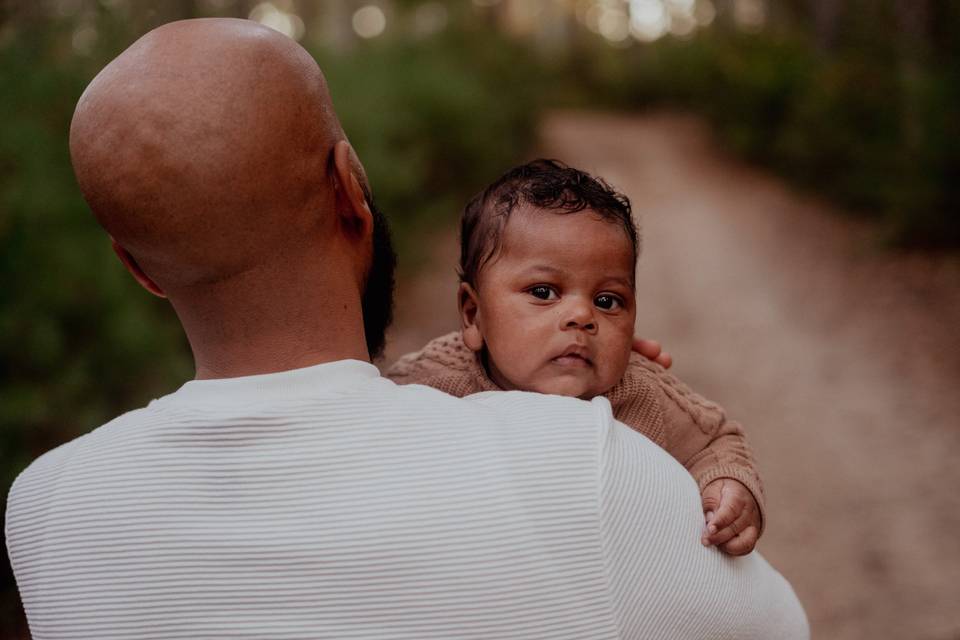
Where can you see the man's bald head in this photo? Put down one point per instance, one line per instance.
(205, 147)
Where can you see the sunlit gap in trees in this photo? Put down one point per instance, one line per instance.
(644, 20)
(280, 17)
(368, 21)
(619, 22)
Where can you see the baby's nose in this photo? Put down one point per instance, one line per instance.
(579, 315)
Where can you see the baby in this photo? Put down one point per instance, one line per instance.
(547, 303)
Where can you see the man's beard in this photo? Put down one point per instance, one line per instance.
(377, 300)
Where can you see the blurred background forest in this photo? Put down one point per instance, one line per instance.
(853, 101)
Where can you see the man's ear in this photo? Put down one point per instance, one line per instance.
(131, 264)
(469, 317)
(352, 208)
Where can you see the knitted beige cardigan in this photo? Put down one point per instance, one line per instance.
(648, 399)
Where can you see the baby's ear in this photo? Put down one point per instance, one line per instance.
(469, 316)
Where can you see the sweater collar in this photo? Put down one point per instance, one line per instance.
(293, 383)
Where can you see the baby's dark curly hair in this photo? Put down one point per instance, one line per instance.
(545, 184)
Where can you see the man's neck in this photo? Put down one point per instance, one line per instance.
(237, 329)
(280, 354)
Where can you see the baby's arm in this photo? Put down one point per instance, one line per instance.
(713, 449)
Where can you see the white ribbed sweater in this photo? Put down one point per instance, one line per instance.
(328, 502)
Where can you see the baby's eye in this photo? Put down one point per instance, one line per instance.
(608, 302)
(543, 292)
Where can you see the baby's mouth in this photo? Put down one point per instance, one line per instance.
(573, 356)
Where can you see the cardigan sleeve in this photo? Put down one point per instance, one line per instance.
(695, 431)
(705, 593)
(445, 363)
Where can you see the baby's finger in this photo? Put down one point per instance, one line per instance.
(649, 349)
(719, 538)
(742, 543)
(665, 360)
(740, 524)
(729, 510)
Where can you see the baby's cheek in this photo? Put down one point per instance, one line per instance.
(513, 362)
(614, 366)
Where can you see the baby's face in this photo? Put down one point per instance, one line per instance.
(555, 306)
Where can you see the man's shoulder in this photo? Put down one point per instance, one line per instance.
(562, 410)
(48, 466)
(531, 416)
(513, 406)
(34, 490)
(518, 419)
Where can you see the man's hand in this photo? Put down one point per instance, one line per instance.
(650, 349)
(732, 517)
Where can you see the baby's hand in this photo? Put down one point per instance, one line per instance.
(732, 517)
(650, 349)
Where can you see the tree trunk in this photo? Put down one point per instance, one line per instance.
(913, 20)
(913, 39)
(826, 23)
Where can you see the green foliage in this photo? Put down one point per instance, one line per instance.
(434, 121)
(79, 341)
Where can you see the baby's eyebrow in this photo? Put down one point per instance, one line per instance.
(545, 269)
(621, 281)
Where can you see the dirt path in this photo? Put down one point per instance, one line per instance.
(843, 363)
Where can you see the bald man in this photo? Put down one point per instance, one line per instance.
(291, 492)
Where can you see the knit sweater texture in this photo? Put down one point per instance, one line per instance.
(648, 399)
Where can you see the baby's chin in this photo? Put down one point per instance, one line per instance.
(584, 388)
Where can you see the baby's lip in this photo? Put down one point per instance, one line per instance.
(575, 354)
